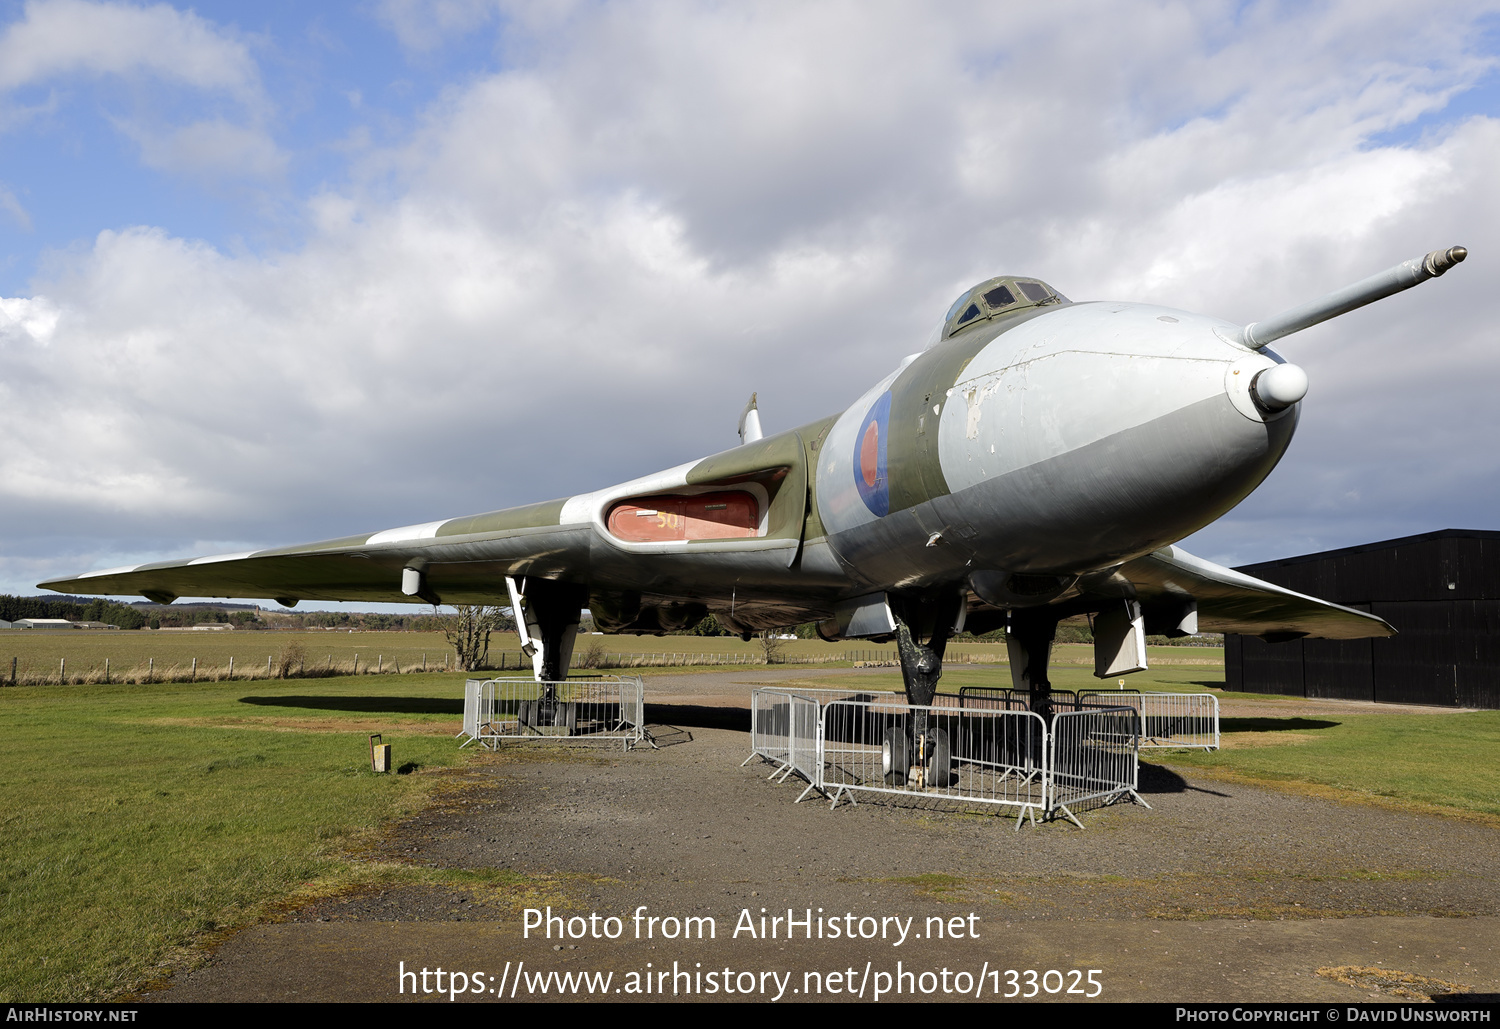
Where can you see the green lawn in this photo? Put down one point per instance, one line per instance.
(137, 819)
(1445, 761)
(140, 820)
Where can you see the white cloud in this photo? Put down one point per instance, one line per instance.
(71, 37)
(424, 25)
(59, 42)
(214, 148)
(33, 319)
(11, 206)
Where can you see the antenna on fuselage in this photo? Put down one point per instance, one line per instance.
(750, 422)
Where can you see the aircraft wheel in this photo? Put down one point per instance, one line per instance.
(567, 715)
(940, 767)
(895, 757)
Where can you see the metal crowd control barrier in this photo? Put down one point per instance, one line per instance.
(770, 728)
(950, 753)
(1006, 699)
(604, 708)
(1169, 720)
(785, 723)
(471, 711)
(1095, 758)
(990, 750)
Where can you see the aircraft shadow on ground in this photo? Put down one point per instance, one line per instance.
(1274, 724)
(382, 705)
(698, 716)
(1156, 779)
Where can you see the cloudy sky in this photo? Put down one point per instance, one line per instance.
(274, 272)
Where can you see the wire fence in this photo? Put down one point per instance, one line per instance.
(306, 663)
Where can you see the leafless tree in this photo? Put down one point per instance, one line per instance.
(772, 646)
(594, 657)
(468, 630)
(291, 661)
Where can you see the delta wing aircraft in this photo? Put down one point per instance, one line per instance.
(1036, 461)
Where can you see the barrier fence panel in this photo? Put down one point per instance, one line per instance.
(471, 711)
(824, 696)
(1095, 759)
(990, 698)
(1004, 698)
(770, 728)
(1168, 720)
(604, 708)
(784, 730)
(806, 753)
(974, 756)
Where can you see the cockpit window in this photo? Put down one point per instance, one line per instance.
(999, 297)
(1035, 291)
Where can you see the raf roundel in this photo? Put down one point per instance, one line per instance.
(870, 458)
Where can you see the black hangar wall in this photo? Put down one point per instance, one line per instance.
(1441, 591)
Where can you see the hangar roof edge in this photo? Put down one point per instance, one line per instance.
(1363, 548)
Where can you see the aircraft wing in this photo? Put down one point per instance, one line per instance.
(467, 559)
(1231, 601)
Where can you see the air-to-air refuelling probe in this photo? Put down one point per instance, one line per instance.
(1035, 462)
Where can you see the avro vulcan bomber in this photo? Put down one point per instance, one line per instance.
(1036, 461)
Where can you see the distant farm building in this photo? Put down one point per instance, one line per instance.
(56, 623)
(1441, 592)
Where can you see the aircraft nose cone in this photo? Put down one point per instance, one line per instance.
(1280, 387)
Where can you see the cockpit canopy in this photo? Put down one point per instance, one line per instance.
(994, 297)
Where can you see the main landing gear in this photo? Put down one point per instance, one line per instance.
(547, 615)
(918, 753)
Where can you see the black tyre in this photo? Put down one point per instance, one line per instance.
(895, 757)
(940, 764)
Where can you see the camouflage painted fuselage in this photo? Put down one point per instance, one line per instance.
(1050, 443)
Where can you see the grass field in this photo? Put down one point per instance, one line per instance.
(141, 820)
(1446, 762)
(43, 656)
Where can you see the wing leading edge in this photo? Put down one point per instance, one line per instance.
(1231, 601)
(469, 556)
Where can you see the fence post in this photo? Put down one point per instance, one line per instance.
(231, 666)
(13, 671)
(192, 677)
(62, 671)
